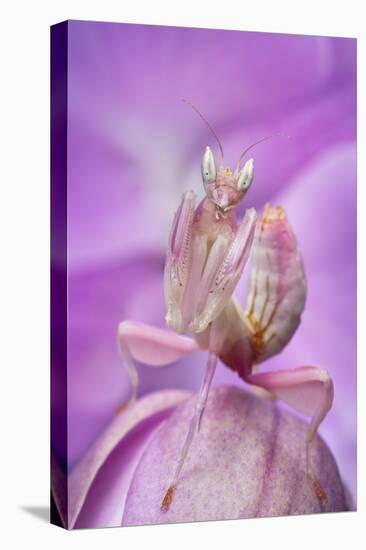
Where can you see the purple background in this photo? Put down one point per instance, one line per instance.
(134, 147)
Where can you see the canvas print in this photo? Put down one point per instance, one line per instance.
(203, 274)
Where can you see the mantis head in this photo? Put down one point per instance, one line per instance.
(223, 187)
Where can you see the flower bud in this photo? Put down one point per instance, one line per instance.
(247, 460)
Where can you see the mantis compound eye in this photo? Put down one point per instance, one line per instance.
(208, 167)
(246, 175)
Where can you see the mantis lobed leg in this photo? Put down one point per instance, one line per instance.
(158, 347)
(308, 390)
(217, 334)
(193, 427)
(152, 346)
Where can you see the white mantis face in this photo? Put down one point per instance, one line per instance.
(223, 187)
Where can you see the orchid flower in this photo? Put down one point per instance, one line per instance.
(133, 157)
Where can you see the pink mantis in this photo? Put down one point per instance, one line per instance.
(207, 253)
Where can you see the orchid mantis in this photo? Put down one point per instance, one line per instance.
(207, 252)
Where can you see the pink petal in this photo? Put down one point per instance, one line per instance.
(83, 475)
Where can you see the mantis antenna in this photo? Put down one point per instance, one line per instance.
(253, 145)
(209, 125)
